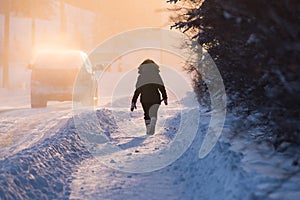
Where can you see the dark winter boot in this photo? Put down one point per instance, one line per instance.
(147, 123)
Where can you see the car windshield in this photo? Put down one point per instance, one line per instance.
(59, 60)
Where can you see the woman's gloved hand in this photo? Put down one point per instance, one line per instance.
(166, 101)
(133, 106)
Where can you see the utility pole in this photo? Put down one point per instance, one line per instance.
(5, 74)
(32, 30)
(63, 23)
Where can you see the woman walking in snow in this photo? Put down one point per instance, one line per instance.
(149, 85)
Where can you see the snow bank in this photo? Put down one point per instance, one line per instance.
(44, 170)
(61, 167)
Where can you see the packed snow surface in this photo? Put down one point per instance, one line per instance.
(44, 157)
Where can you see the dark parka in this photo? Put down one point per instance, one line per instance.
(149, 84)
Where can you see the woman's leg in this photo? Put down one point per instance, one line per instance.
(153, 117)
(153, 109)
(150, 116)
(146, 108)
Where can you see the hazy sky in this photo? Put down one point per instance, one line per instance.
(116, 16)
(108, 17)
(85, 29)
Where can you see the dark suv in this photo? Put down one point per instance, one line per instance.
(54, 74)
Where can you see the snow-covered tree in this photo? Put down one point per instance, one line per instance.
(255, 45)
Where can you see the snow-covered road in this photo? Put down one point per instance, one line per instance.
(43, 157)
(22, 128)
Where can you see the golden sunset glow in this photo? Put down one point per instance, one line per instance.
(105, 19)
(68, 24)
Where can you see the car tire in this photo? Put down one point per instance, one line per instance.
(38, 101)
(96, 97)
(87, 101)
(90, 100)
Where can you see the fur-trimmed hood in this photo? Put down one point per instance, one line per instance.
(148, 73)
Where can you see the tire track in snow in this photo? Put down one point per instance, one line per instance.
(22, 128)
(94, 180)
(43, 170)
